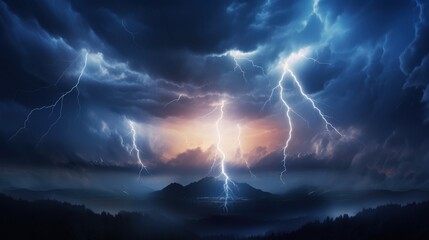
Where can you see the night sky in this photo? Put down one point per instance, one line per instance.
(165, 67)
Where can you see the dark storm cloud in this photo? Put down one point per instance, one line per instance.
(166, 39)
(373, 78)
(363, 87)
(367, 90)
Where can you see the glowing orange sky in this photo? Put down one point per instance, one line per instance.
(175, 135)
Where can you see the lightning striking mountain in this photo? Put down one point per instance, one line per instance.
(58, 101)
(221, 153)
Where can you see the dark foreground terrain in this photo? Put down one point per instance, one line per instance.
(47, 219)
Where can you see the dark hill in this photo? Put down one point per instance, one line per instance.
(390, 221)
(210, 187)
(47, 219)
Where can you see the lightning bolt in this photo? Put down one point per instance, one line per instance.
(288, 71)
(238, 66)
(174, 100)
(52, 106)
(221, 153)
(240, 150)
(236, 56)
(315, 60)
(279, 86)
(55, 84)
(136, 149)
(328, 125)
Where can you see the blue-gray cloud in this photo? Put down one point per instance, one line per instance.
(372, 78)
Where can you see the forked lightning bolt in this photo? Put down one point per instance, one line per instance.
(323, 116)
(55, 84)
(289, 110)
(236, 56)
(135, 148)
(59, 101)
(221, 153)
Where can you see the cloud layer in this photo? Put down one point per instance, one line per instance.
(365, 64)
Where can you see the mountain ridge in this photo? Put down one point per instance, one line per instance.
(210, 187)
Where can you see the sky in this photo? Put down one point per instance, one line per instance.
(100, 88)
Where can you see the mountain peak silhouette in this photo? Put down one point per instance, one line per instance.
(211, 187)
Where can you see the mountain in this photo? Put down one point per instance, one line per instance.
(211, 188)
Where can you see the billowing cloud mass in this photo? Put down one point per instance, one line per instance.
(166, 65)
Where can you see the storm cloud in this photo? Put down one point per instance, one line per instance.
(366, 66)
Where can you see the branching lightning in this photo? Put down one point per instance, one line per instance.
(279, 86)
(55, 84)
(236, 56)
(57, 102)
(323, 116)
(136, 149)
(238, 66)
(221, 153)
(288, 71)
